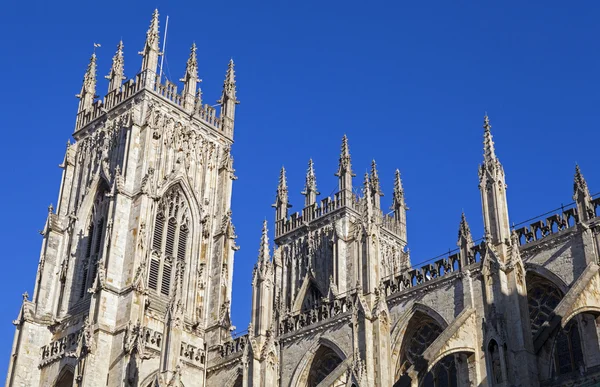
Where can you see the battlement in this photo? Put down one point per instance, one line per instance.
(328, 206)
(167, 90)
(150, 79)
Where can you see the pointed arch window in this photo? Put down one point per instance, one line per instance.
(324, 362)
(169, 242)
(568, 354)
(94, 242)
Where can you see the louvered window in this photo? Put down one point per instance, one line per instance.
(153, 278)
(182, 243)
(99, 236)
(165, 286)
(170, 243)
(159, 224)
(168, 246)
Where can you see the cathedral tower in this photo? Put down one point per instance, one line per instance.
(134, 280)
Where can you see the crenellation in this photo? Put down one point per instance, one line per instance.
(134, 280)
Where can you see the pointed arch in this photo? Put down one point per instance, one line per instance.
(325, 360)
(398, 331)
(543, 296)
(304, 365)
(170, 244)
(414, 333)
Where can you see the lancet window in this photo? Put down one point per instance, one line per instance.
(169, 242)
(93, 242)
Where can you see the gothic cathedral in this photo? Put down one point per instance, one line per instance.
(134, 281)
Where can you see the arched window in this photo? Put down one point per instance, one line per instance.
(169, 242)
(94, 241)
(421, 333)
(542, 296)
(568, 355)
(324, 362)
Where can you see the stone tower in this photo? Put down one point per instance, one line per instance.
(134, 280)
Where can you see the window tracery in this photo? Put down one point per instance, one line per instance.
(567, 354)
(93, 241)
(542, 297)
(170, 247)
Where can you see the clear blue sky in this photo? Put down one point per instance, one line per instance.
(408, 82)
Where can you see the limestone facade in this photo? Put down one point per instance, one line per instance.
(134, 280)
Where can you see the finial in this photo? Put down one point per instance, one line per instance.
(282, 180)
(116, 75)
(375, 179)
(88, 90)
(25, 296)
(579, 184)
(345, 163)
(151, 49)
(489, 152)
(191, 68)
(50, 209)
(464, 231)
(229, 87)
(263, 252)
(398, 190)
(310, 186)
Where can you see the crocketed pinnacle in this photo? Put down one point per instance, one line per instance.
(117, 70)
(88, 89)
(263, 252)
(579, 184)
(398, 190)
(310, 186)
(345, 165)
(152, 36)
(282, 189)
(464, 231)
(191, 68)
(489, 153)
(375, 179)
(150, 53)
(229, 88)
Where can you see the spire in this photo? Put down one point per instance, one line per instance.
(190, 79)
(263, 252)
(116, 75)
(375, 187)
(281, 201)
(398, 192)
(581, 195)
(229, 88)
(88, 90)
(229, 100)
(580, 185)
(464, 231)
(399, 205)
(493, 192)
(367, 189)
(489, 153)
(345, 172)
(150, 53)
(310, 187)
